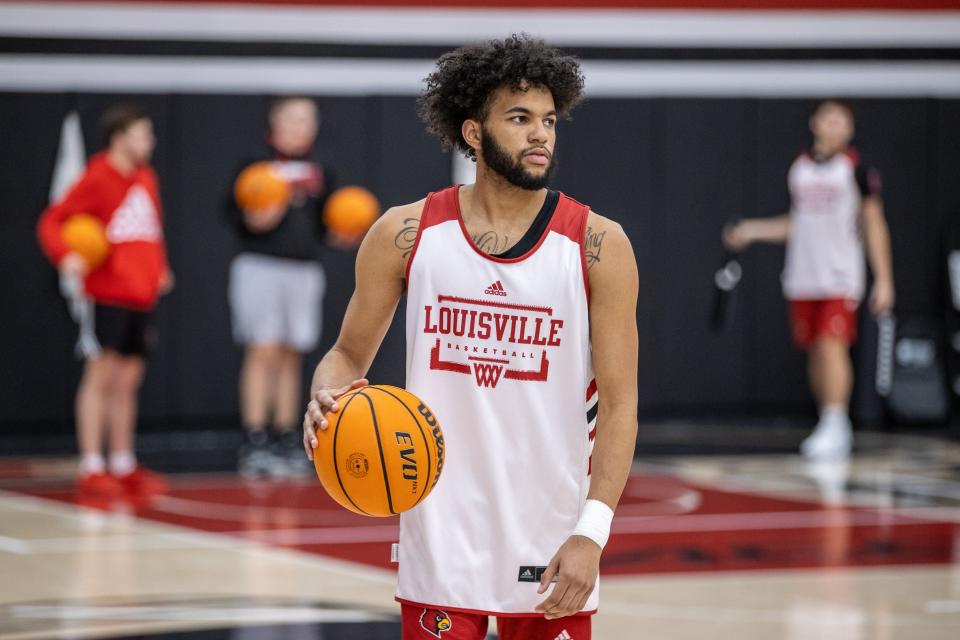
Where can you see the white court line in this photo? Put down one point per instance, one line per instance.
(629, 525)
(762, 520)
(942, 606)
(234, 512)
(12, 545)
(679, 499)
(324, 535)
(828, 614)
(249, 615)
(121, 542)
(187, 536)
(390, 533)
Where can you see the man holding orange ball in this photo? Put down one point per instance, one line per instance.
(277, 284)
(522, 338)
(119, 191)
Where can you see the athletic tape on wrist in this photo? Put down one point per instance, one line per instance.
(595, 521)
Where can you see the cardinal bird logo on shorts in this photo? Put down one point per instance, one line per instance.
(435, 621)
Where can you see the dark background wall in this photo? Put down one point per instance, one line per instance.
(671, 171)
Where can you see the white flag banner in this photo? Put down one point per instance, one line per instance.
(71, 157)
(71, 161)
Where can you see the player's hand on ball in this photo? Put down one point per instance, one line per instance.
(264, 219)
(323, 401)
(576, 565)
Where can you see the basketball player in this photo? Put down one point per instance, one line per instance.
(120, 188)
(276, 293)
(835, 203)
(513, 330)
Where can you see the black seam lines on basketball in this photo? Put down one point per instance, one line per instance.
(426, 444)
(383, 461)
(336, 464)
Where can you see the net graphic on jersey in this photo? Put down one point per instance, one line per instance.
(492, 340)
(487, 375)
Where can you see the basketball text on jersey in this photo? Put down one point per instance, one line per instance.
(435, 621)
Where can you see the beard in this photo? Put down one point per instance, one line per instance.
(511, 169)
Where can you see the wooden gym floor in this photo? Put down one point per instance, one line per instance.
(740, 546)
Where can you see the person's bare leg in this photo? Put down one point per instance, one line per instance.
(836, 371)
(258, 388)
(831, 380)
(258, 382)
(815, 376)
(90, 410)
(287, 416)
(122, 412)
(289, 381)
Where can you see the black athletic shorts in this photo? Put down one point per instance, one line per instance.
(126, 331)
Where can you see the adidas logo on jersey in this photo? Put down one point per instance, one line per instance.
(564, 635)
(496, 289)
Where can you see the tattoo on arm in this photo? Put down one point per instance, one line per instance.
(592, 245)
(490, 243)
(407, 236)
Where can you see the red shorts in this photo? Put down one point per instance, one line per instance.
(830, 318)
(420, 623)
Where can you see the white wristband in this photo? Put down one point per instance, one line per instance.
(594, 523)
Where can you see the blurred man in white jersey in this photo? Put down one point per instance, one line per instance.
(835, 204)
(523, 344)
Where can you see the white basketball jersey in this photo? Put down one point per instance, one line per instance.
(825, 250)
(499, 349)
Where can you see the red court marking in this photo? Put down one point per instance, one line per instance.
(664, 525)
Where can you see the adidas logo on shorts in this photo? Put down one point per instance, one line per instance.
(496, 289)
(564, 636)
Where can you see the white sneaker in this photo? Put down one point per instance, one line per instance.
(831, 440)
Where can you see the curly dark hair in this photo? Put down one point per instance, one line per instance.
(465, 79)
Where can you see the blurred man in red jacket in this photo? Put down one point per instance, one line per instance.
(120, 189)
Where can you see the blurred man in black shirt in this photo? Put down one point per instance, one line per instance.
(276, 292)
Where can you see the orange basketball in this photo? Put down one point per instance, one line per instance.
(84, 234)
(350, 211)
(260, 186)
(382, 453)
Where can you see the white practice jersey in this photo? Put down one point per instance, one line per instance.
(825, 256)
(499, 349)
